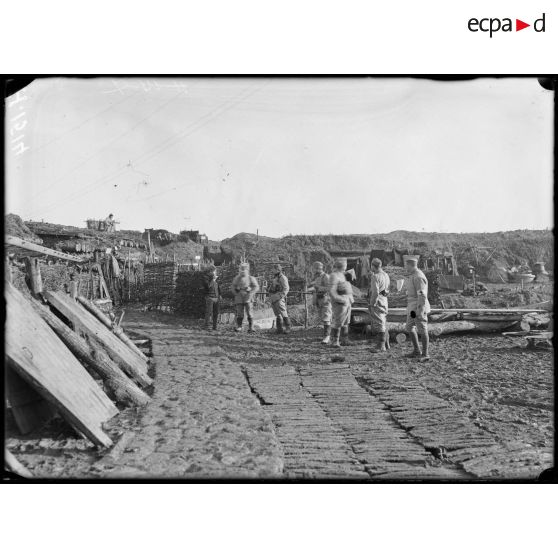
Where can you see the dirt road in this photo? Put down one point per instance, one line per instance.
(269, 406)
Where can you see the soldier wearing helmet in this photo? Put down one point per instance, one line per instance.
(320, 299)
(341, 294)
(244, 288)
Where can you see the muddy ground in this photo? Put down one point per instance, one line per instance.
(267, 405)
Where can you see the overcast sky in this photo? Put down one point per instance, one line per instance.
(284, 156)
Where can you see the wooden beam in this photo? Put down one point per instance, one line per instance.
(434, 330)
(8, 270)
(494, 311)
(74, 289)
(34, 275)
(37, 248)
(95, 310)
(99, 314)
(402, 312)
(36, 353)
(87, 324)
(120, 387)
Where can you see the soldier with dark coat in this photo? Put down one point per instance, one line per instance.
(278, 289)
(212, 297)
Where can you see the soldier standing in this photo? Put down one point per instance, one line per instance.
(244, 287)
(212, 297)
(321, 300)
(279, 288)
(378, 305)
(418, 307)
(341, 294)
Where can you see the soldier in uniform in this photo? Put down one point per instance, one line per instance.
(378, 305)
(110, 223)
(278, 290)
(244, 288)
(341, 294)
(418, 307)
(321, 300)
(212, 297)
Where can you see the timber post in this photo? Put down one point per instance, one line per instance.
(8, 274)
(305, 306)
(34, 276)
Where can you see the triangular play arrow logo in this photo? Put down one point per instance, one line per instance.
(519, 25)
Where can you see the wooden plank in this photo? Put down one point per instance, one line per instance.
(85, 323)
(37, 354)
(117, 330)
(541, 335)
(494, 311)
(7, 270)
(38, 249)
(95, 310)
(34, 275)
(29, 408)
(493, 317)
(120, 387)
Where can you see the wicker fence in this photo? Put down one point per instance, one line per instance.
(177, 288)
(189, 298)
(158, 285)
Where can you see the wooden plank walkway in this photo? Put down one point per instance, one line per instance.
(329, 426)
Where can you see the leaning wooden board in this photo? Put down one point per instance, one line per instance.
(37, 354)
(97, 312)
(85, 323)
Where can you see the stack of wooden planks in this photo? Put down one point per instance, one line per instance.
(81, 370)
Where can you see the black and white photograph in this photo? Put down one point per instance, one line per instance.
(279, 278)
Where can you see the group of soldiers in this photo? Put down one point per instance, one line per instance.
(333, 299)
(244, 288)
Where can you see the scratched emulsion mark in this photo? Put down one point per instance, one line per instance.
(146, 85)
(17, 123)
